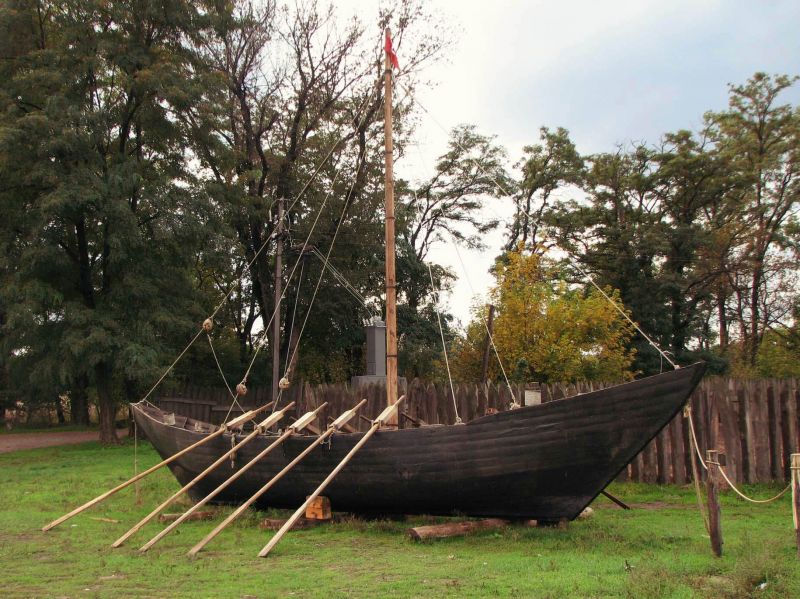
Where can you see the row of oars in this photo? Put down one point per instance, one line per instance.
(227, 427)
(260, 428)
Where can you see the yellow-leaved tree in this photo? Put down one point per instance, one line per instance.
(545, 332)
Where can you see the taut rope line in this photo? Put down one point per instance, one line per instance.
(499, 186)
(325, 264)
(515, 403)
(266, 241)
(444, 346)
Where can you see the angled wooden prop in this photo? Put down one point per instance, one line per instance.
(334, 427)
(297, 426)
(261, 428)
(386, 415)
(239, 420)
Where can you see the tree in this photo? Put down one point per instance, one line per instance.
(448, 205)
(547, 166)
(97, 252)
(760, 140)
(552, 333)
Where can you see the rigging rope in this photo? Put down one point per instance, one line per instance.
(302, 191)
(308, 237)
(515, 403)
(294, 309)
(262, 342)
(703, 463)
(444, 346)
(499, 186)
(325, 263)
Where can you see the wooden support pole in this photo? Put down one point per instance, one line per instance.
(384, 417)
(187, 514)
(271, 420)
(391, 285)
(238, 511)
(616, 500)
(238, 421)
(795, 466)
(712, 486)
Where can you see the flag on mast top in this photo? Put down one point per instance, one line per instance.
(390, 50)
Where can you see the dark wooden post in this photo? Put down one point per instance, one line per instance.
(796, 497)
(713, 458)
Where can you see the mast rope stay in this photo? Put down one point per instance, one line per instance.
(499, 186)
(272, 235)
(515, 403)
(325, 263)
(260, 344)
(444, 346)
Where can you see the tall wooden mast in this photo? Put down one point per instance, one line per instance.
(391, 291)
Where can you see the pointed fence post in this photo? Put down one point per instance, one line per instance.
(713, 460)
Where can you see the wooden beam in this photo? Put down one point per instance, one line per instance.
(391, 285)
(384, 418)
(233, 423)
(795, 470)
(454, 529)
(264, 452)
(619, 502)
(238, 511)
(714, 514)
(260, 428)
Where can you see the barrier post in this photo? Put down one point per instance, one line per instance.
(713, 460)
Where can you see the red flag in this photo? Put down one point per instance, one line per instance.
(390, 51)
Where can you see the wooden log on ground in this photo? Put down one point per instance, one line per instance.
(300, 524)
(454, 529)
(202, 515)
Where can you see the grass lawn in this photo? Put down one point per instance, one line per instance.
(662, 552)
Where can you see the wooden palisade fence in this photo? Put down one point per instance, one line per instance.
(754, 422)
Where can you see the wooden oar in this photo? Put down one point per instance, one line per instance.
(388, 413)
(223, 428)
(335, 426)
(261, 428)
(296, 427)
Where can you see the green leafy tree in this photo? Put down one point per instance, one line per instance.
(99, 219)
(551, 333)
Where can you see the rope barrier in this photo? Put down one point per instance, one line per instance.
(742, 495)
(444, 346)
(694, 444)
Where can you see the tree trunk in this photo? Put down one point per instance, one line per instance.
(105, 405)
(723, 322)
(79, 401)
(60, 411)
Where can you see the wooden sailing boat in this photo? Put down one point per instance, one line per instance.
(545, 462)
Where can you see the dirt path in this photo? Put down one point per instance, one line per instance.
(18, 441)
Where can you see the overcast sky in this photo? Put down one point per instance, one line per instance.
(608, 71)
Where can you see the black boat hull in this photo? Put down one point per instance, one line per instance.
(545, 462)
